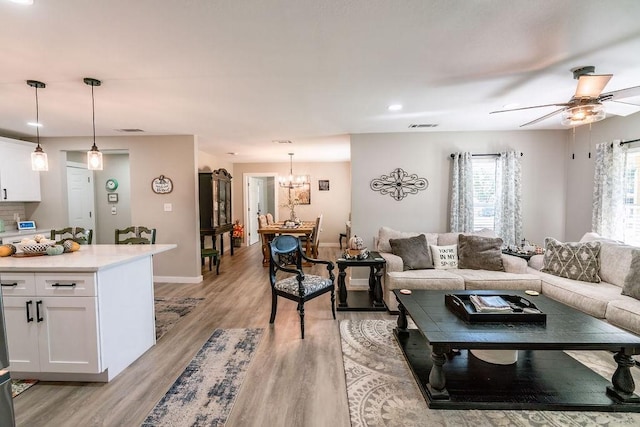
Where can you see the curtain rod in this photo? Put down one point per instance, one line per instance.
(491, 154)
(629, 142)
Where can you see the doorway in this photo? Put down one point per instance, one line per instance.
(80, 197)
(261, 197)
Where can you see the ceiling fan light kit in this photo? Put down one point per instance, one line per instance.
(583, 114)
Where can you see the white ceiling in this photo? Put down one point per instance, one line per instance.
(240, 74)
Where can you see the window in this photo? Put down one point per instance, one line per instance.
(632, 198)
(484, 193)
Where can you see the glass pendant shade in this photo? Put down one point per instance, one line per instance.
(292, 181)
(583, 114)
(39, 161)
(94, 156)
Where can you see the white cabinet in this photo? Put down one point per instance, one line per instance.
(51, 322)
(18, 183)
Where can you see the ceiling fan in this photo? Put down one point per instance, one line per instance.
(586, 105)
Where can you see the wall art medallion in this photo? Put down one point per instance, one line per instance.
(399, 184)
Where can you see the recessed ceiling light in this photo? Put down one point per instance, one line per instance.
(34, 124)
(281, 141)
(27, 2)
(395, 107)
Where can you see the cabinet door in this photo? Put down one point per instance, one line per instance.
(22, 333)
(68, 335)
(18, 183)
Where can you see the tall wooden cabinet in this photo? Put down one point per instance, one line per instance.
(215, 205)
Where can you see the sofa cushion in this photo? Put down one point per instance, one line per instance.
(625, 313)
(418, 279)
(499, 280)
(386, 233)
(447, 239)
(573, 260)
(615, 260)
(514, 264)
(414, 251)
(445, 257)
(480, 253)
(632, 281)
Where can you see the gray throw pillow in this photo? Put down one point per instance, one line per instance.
(480, 253)
(632, 281)
(572, 260)
(414, 252)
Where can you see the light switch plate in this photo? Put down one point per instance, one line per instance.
(114, 210)
(168, 207)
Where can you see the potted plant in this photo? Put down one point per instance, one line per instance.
(237, 234)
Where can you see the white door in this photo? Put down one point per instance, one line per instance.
(68, 335)
(255, 195)
(22, 333)
(81, 199)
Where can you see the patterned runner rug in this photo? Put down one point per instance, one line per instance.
(204, 393)
(382, 391)
(171, 309)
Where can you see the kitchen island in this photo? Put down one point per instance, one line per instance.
(80, 316)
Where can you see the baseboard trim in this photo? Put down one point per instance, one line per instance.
(177, 279)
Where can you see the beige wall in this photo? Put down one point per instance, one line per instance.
(427, 154)
(334, 204)
(149, 156)
(117, 166)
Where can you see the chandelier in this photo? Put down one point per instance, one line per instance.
(583, 114)
(292, 181)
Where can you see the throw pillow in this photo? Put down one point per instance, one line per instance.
(414, 252)
(445, 256)
(480, 253)
(632, 281)
(572, 260)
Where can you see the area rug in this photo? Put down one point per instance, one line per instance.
(203, 395)
(169, 310)
(19, 386)
(382, 391)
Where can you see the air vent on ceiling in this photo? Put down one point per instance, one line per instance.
(423, 125)
(130, 130)
(282, 141)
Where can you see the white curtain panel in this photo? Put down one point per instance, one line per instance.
(461, 218)
(608, 190)
(508, 219)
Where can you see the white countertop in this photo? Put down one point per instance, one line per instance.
(88, 258)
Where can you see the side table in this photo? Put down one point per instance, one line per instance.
(524, 255)
(362, 300)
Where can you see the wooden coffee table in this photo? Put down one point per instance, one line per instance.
(544, 377)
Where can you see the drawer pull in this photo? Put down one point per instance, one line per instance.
(64, 285)
(29, 316)
(38, 304)
(9, 285)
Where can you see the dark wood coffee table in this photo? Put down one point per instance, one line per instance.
(544, 377)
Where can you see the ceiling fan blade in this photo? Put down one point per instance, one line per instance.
(623, 109)
(591, 85)
(539, 119)
(528, 108)
(620, 94)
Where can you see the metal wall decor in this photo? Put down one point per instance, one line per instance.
(399, 184)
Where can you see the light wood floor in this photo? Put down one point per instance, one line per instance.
(290, 382)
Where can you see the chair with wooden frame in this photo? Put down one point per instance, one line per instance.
(269, 218)
(77, 234)
(135, 235)
(286, 256)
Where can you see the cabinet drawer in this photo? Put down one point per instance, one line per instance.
(18, 284)
(66, 284)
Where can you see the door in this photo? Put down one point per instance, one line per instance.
(68, 334)
(255, 191)
(22, 333)
(81, 198)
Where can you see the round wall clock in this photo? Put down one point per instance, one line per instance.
(111, 184)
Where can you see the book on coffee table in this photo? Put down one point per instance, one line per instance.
(490, 303)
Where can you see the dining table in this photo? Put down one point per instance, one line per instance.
(267, 233)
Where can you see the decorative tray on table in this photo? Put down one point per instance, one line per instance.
(494, 308)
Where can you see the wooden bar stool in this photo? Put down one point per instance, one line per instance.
(213, 255)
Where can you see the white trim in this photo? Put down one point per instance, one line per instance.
(177, 279)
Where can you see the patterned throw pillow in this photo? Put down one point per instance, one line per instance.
(578, 261)
(414, 252)
(445, 257)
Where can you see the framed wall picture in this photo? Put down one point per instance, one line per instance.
(302, 195)
(323, 185)
(112, 197)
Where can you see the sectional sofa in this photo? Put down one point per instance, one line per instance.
(603, 300)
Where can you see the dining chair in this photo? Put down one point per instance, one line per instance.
(270, 219)
(135, 235)
(315, 237)
(77, 234)
(296, 285)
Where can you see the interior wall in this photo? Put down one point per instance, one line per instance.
(334, 204)
(116, 166)
(581, 169)
(149, 156)
(428, 155)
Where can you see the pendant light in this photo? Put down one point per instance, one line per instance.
(94, 156)
(39, 160)
(292, 181)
